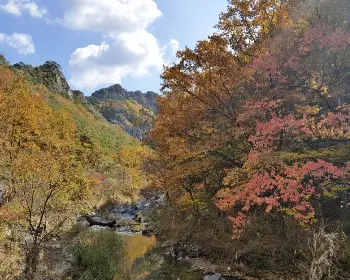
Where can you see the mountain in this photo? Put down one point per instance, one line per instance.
(49, 74)
(134, 111)
(3, 60)
(59, 159)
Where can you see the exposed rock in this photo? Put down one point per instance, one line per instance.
(216, 276)
(98, 221)
(83, 224)
(132, 110)
(117, 92)
(98, 228)
(148, 232)
(78, 96)
(123, 218)
(3, 191)
(3, 60)
(49, 74)
(139, 218)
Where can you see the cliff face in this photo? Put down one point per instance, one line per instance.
(132, 110)
(3, 60)
(117, 92)
(49, 74)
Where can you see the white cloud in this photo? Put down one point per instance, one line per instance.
(174, 45)
(128, 50)
(110, 16)
(18, 7)
(131, 54)
(23, 43)
(12, 8)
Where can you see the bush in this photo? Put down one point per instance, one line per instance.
(271, 245)
(100, 256)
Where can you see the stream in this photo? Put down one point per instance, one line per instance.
(146, 264)
(143, 259)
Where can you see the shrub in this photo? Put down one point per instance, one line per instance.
(100, 256)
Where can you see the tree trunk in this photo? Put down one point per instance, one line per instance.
(168, 198)
(32, 260)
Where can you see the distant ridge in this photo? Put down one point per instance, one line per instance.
(134, 111)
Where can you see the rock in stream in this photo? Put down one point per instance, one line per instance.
(124, 218)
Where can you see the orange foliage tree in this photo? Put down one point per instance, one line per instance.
(254, 113)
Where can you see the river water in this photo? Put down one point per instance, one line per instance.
(146, 264)
(143, 259)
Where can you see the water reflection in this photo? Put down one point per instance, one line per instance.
(146, 264)
(137, 246)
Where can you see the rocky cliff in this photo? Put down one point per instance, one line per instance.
(132, 110)
(49, 74)
(3, 60)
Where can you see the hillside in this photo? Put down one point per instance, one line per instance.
(132, 111)
(59, 153)
(238, 170)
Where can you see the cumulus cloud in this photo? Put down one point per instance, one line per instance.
(131, 54)
(174, 45)
(18, 7)
(23, 43)
(110, 16)
(128, 50)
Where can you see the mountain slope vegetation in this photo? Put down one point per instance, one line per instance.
(59, 158)
(133, 111)
(248, 156)
(253, 133)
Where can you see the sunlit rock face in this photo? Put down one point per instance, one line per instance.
(49, 74)
(3, 60)
(134, 111)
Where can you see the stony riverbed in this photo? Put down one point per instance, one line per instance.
(146, 259)
(124, 218)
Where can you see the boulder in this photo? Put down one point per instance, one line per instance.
(98, 228)
(216, 276)
(148, 232)
(83, 224)
(98, 221)
(139, 218)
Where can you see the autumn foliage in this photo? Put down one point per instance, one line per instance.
(57, 161)
(258, 113)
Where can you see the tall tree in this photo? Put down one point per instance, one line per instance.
(254, 113)
(40, 167)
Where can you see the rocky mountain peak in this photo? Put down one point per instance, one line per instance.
(49, 74)
(117, 92)
(132, 110)
(3, 60)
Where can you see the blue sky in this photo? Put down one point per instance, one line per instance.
(103, 42)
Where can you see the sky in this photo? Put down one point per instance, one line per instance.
(99, 43)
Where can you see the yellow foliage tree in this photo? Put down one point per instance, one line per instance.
(39, 166)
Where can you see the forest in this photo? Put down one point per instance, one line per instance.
(249, 147)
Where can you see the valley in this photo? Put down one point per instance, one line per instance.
(237, 169)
